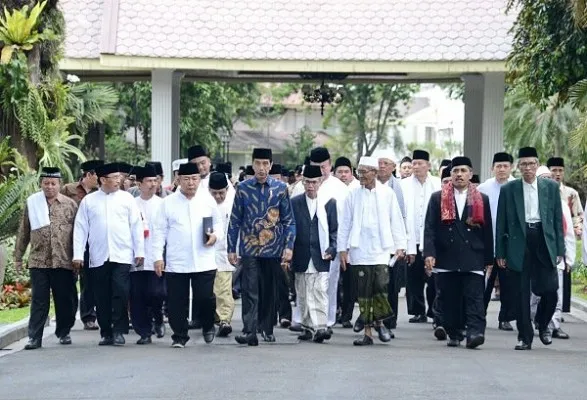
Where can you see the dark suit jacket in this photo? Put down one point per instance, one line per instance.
(510, 235)
(307, 242)
(458, 246)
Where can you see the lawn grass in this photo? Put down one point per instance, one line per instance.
(14, 315)
(579, 291)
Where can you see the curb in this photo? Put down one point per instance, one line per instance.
(16, 331)
(13, 332)
(579, 304)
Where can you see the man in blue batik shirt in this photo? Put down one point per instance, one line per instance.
(262, 223)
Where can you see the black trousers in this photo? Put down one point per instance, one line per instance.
(349, 294)
(393, 289)
(437, 305)
(111, 284)
(567, 287)
(283, 305)
(258, 293)
(506, 293)
(458, 290)
(61, 283)
(178, 300)
(416, 280)
(539, 277)
(147, 292)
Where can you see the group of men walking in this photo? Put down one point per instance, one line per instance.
(453, 238)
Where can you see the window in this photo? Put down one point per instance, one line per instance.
(430, 134)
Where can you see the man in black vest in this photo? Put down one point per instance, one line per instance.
(314, 248)
(458, 245)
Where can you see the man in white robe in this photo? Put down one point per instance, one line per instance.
(147, 290)
(187, 226)
(417, 190)
(501, 169)
(218, 187)
(370, 213)
(110, 221)
(331, 188)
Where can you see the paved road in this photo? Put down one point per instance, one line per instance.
(412, 366)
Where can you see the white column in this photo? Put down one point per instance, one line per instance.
(484, 102)
(165, 118)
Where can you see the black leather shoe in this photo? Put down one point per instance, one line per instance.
(33, 344)
(248, 339)
(523, 346)
(159, 330)
(440, 333)
(475, 341)
(346, 324)
(545, 337)
(268, 337)
(195, 325)
(209, 334)
(453, 343)
(390, 324)
(559, 334)
(383, 333)
(145, 340)
(119, 339)
(285, 323)
(359, 325)
(296, 328)
(106, 341)
(65, 339)
(329, 331)
(224, 329)
(418, 319)
(364, 341)
(321, 335)
(505, 326)
(307, 335)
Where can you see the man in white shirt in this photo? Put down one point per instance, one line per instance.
(530, 243)
(147, 290)
(417, 190)
(343, 170)
(562, 267)
(405, 168)
(109, 220)
(190, 254)
(458, 246)
(369, 215)
(502, 169)
(331, 188)
(218, 187)
(314, 248)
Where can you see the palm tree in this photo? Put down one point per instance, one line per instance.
(526, 124)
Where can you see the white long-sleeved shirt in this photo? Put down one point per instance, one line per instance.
(369, 251)
(148, 210)
(111, 224)
(531, 204)
(179, 225)
(492, 188)
(416, 198)
(225, 209)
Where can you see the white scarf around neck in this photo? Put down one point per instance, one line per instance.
(38, 211)
(382, 217)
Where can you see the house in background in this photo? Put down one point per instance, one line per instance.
(276, 130)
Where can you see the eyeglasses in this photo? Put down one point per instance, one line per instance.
(527, 164)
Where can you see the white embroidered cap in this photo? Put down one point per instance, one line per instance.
(372, 162)
(542, 170)
(175, 165)
(388, 154)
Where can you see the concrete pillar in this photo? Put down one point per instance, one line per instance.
(484, 109)
(165, 118)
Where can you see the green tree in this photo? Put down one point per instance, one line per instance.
(526, 124)
(549, 52)
(298, 148)
(367, 113)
